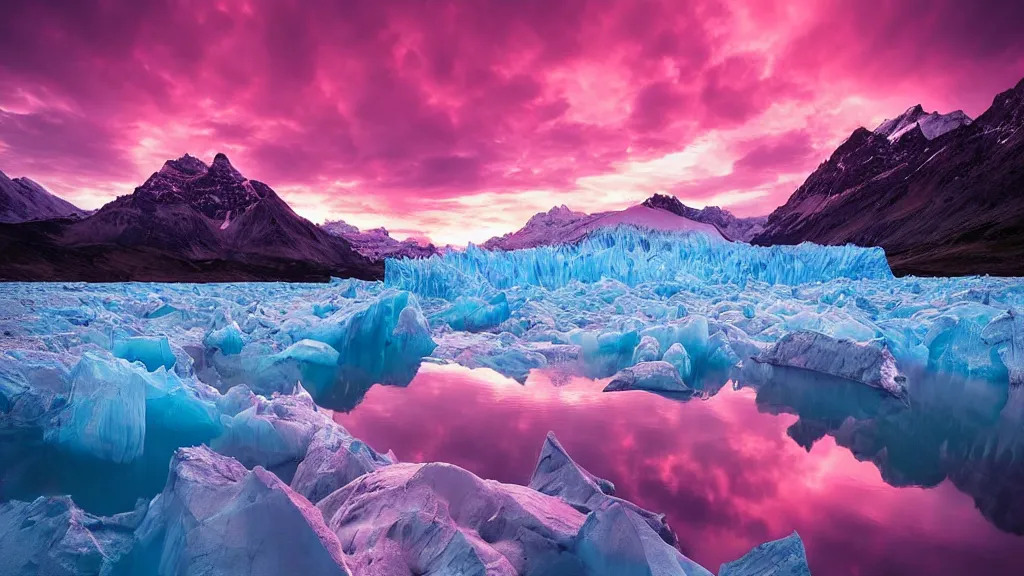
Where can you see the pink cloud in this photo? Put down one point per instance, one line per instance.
(413, 108)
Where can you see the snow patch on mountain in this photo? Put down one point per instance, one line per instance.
(560, 225)
(932, 124)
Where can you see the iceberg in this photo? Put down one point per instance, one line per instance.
(616, 542)
(106, 414)
(657, 376)
(474, 314)
(215, 517)
(441, 519)
(558, 475)
(871, 364)
(677, 356)
(227, 340)
(648, 350)
(1006, 334)
(378, 342)
(311, 363)
(274, 434)
(334, 458)
(783, 557)
(53, 536)
(153, 352)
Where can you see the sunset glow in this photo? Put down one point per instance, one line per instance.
(459, 120)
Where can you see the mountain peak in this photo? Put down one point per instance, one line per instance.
(667, 202)
(23, 199)
(221, 164)
(187, 165)
(931, 124)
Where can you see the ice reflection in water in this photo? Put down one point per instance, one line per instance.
(727, 471)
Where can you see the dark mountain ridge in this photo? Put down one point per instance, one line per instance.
(187, 222)
(950, 204)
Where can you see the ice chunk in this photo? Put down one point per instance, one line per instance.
(441, 519)
(1006, 334)
(558, 475)
(106, 417)
(871, 363)
(153, 351)
(53, 537)
(228, 340)
(956, 344)
(616, 542)
(274, 434)
(676, 355)
(720, 352)
(475, 314)
(504, 353)
(33, 387)
(182, 407)
(658, 376)
(783, 557)
(380, 341)
(334, 459)
(312, 363)
(215, 517)
(648, 350)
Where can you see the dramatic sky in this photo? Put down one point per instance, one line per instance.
(458, 119)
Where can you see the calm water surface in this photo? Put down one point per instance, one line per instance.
(727, 475)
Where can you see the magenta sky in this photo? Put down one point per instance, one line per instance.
(460, 119)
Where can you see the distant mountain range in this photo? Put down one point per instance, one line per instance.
(187, 222)
(942, 194)
(560, 225)
(733, 228)
(22, 200)
(376, 243)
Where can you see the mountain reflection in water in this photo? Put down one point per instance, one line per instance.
(868, 494)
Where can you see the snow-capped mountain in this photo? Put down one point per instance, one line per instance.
(188, 221)
(376, 243)
(22, 200)
(932, 124)
(733, 228)
(941, 194)
(560, 225)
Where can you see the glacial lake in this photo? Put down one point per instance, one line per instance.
(938, 489)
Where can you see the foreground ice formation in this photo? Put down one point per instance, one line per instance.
(373, 516)
(216, 517)
(52, 536)
(616, 542)
(783, 557)
(558, 475)
(283, 489)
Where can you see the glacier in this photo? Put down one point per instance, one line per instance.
(102, 385)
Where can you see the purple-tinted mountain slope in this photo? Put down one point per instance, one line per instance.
(560, 225)
(187, 222)
(733, 228)
(377, 244)
(22, 200)
(942, 195)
